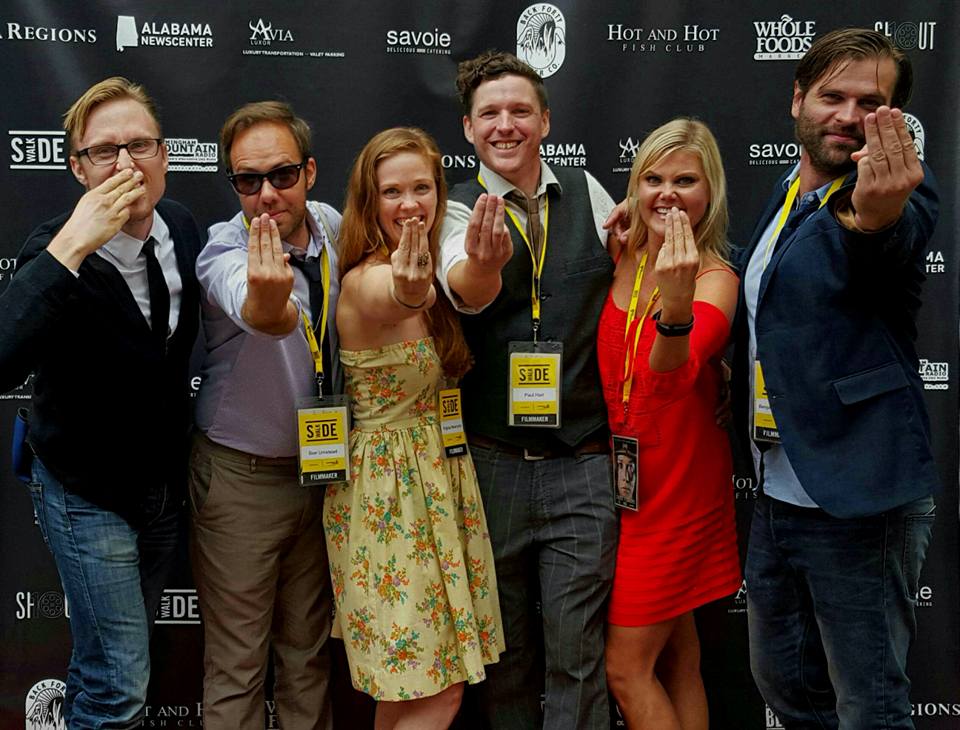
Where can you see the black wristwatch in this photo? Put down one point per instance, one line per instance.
(673, 330)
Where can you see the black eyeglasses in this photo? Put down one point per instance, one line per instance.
(107, 154)
(249, 183)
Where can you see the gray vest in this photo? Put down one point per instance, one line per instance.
(576, 278)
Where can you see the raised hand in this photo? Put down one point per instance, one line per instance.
(618, 222)
(487, 242)
(269, 280)
(412, 265)
(677, 265)
(888, 170)
(98, 217)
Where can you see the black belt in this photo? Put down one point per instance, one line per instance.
(591, 445)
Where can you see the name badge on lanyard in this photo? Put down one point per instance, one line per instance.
(534, 384)
(323, 429)
(764, 425)
(451, 423)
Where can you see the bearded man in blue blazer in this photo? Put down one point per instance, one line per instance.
(829, 387)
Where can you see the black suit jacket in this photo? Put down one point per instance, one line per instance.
(110, 411)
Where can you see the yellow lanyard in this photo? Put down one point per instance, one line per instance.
(788, 206)
(537, 264)
(630, 352)
(308, 332)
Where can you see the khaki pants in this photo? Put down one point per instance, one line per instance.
(260, 566)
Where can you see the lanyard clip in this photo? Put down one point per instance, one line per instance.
(536, 328)
(320, 386)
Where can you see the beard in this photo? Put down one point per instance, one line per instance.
(832, 159)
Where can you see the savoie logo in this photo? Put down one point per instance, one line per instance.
(433, 41)
(773, 153)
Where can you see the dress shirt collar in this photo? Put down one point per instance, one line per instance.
(497, 185)
(126, 249)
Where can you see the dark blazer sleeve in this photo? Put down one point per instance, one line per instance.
(32, 305)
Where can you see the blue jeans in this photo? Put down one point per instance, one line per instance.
(113, 577)
(553, 527)
(830, 606)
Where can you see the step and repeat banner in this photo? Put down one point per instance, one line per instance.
(614, 70)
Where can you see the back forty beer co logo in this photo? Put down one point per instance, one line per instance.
(37, 149)
(783, 39)
(162, 33)
(916, 131)
(43, 706)
(542, 38)
(188, 154)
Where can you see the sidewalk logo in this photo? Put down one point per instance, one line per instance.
(43, 707)
(37, 150)
(783, 39)
(542, 38)
(179, 607)
(935, 375)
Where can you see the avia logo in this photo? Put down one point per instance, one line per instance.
(263, 34)
(628, 149)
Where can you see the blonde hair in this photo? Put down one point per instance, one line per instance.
(360, 233)
(688, 135)
(116, 87)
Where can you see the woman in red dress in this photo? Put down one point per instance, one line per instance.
(662, 332)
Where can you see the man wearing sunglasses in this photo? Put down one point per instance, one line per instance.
(258, 550)
(108, 292)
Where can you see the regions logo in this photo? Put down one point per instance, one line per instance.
(459, 162)
(691, 39)
(18, 32)
(428, 41)
(161, 33)
(37, 150)
(178, 607)
(571, 154)
(909, 36)
(542, 38)
(49, 604)
(43, 706)
(773, 153)
(916, 131)
(783, 39)
(264, 34)
(772, 722)
(936, 709)
(628, 150)
(188, 154)
(935, 375)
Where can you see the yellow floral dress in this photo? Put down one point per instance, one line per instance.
(410, 557)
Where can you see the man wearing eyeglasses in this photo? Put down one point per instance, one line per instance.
(106, 294)
(258, 550)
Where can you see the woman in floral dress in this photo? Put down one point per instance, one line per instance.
(410, 558)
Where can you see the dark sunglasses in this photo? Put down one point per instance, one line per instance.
(249, 183)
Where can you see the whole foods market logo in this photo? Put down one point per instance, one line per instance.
(431, 41)
(689, 39)
(43, 705)
(37, 150)
(783, 39)
(161, 33)
(188, 154)
(909, 36)
(542, 38)
(48, 34)
(935, 375)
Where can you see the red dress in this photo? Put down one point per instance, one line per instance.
(679, 550)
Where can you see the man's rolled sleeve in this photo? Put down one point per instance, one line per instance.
(453, 235)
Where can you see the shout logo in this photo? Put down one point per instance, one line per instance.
(37, 150)
(909, 36)
(43, 705)
(541, 38)
(49, 604)
(179, 606)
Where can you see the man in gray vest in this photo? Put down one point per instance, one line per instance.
(531, 313)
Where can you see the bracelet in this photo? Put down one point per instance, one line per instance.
(673, 330)
(397, 299)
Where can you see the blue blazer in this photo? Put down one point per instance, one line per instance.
(835, 328)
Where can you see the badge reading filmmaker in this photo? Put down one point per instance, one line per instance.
(451, 423)
(322, 435)
(535, 386)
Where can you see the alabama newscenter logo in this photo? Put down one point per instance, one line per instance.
(909, 35)
(162, 33)
(542, 38)
(564, 154)
(46, 34)
(43, 705)
(690, 38)
(188, 154)
(935, 375)
(269, 39)
(784, 39)
(429, 41)
(38, 149)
